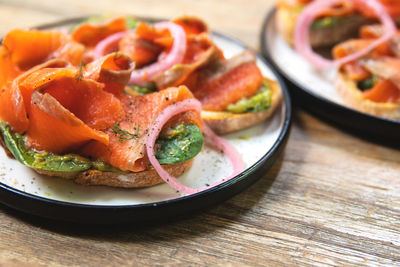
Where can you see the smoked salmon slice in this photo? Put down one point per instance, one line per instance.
(385, 67)
(145, 44)
(129, 154)
(59, 102)
(8, 70)
(113, 70)
(85, 98)
(226, 82)
(28, 48)
(12, 106)
(356, 70)
(54, 129)
(23, 49)
(384, 91)
(89, 34)
(350, 47)
(200, 52)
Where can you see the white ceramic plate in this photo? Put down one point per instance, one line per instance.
(254, 144)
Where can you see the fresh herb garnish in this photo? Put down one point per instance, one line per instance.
(124, 135)
(368, 83)
(79, 77)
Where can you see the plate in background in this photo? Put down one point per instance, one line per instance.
(314, 90)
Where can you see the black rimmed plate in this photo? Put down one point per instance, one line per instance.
(314, 90)
(25, 190)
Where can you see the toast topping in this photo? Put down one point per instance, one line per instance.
(376, 74)
(312, 11)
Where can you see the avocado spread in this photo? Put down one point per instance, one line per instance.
(179, 144)
(259, 102)
(43, 161)
(328, 22)
(141, 90)
(321, 22)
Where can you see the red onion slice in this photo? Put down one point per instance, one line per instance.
(108, 45)
(308, 15)
(165, 61)
(219, 143)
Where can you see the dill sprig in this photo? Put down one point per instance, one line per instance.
(80, 73)
(124, 135)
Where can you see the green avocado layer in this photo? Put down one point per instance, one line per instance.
(182, 143)
(144, 89)
(329, 21)
(43, 161)
(324, 22)
(259, 102)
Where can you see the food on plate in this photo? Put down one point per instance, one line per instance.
(333, 24)
(233, 92)
(234, 95)
(75, 121)
(371, 83)
(307, 16)
(107, 103)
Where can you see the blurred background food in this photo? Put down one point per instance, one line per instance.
(25, 13)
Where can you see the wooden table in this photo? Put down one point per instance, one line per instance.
(333, 199)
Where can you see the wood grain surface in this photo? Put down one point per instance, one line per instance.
(333, 199)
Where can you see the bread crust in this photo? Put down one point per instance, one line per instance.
(353, 97)
(223, 122)
(125, 180)
(324, 37)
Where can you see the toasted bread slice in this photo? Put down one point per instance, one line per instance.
(223, 122)
(324, 37)
(352, 97)
(126, 180)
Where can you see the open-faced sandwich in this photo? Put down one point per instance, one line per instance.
(371, 83)
(233, 92)
(334, 23)
(368, 67)
(66, 120)
(124, 103)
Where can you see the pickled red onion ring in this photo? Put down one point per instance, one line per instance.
(219, 143)
(165, 60)
(108, 45)
(308, 15)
